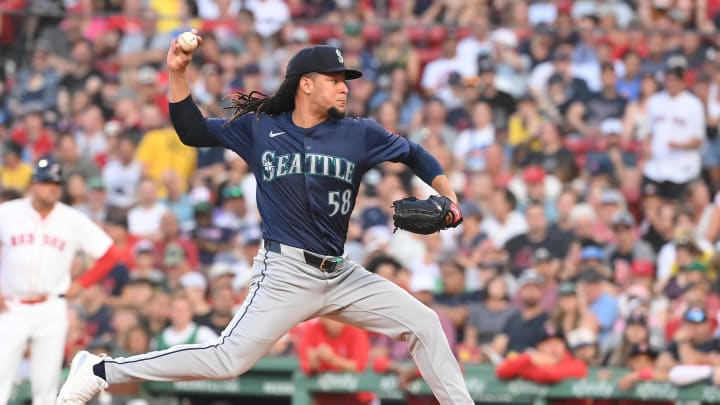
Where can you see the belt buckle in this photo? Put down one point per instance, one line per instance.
(331, 262)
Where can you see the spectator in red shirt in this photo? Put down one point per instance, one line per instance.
(328, 345)
(549, 363)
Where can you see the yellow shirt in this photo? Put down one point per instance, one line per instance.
(161, 150)
(705, 259)
(169, 11)
(17, 178)
(518, 134)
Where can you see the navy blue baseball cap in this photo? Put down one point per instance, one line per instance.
(47, 171)
(320, 59)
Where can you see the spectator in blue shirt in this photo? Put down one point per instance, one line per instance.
(603, 305)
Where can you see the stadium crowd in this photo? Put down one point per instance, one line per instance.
(582, 138)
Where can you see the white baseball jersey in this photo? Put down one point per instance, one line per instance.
(678, 119)
(37, 252)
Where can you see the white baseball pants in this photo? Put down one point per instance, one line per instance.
(284, 292)
(44, 326)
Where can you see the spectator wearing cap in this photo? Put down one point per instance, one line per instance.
(470, 149)
(697, 292)
(14, 173)
(569, 313)
(614, 161)
(122, 173)
(533, 185)
(641, 363)
(194, 285)
(627, 247)
(144, 218)
(593, 256)
(604, 306)
(692, 343)
(96, 207)
(521, 248)
(583, 344)
(676, 135)
(485, 320)
(501, 103)
(642, 273)
(586, 116)
(182, 329)
(680, 252)
(524, 327)
(504, 221)
(233, 213)
(610, 203)
(29, 130)
(144, 263)
(550, 363)
(209, 238)
(221, 310)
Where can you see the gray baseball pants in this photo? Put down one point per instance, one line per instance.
(285, 291)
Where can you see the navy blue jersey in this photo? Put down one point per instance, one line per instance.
(308, 178)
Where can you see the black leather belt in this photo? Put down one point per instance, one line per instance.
(327, 264)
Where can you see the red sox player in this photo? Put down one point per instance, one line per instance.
(39, 237)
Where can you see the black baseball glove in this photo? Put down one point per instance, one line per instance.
(426, 216)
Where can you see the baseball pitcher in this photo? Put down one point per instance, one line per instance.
(308, 160)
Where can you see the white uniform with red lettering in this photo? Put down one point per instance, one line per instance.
(34, 274)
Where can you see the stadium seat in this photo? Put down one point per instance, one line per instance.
(417, 35)
(436, 35)
(462, 32)
(372, 33)
(320, 33)
(426, 55)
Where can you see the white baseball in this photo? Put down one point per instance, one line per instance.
(188, 41)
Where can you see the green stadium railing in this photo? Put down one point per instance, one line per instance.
(281, 378)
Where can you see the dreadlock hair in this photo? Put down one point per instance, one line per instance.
(256, 102)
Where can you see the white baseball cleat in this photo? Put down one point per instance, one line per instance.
(82, 384)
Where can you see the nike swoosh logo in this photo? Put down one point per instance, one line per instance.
(274, 134)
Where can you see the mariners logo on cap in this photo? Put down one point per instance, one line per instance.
(340, 58)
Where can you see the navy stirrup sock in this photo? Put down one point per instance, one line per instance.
(99, 370)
